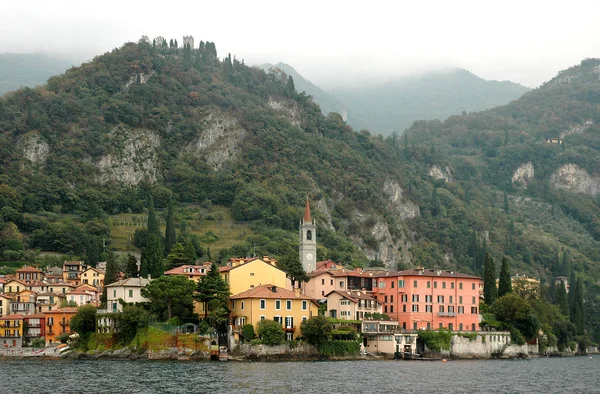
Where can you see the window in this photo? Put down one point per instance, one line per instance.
(461, 310)
(304, 318)
(242, 305)
(392, 298)
(460, 327)
(392, 284)
(450, 326)
(441, 308)
(473, 327)
(404, 325)
(451, 299)
(451, 309)
(232, 304)
(304, 305)
(385, 309)
(472, 286)
(473, 300)
(403, 308)
(288, 305)
(460, 299)
(428, 308)
(251, 273)
(130, 293)
(415, 298)
(435, 285)
(415, 326)
(381, 284)
(331, 282)
(452, 285)
(278, 319)
(404, 298)
(429, 284)
(391, 308)
(342, 284)
(415, 308)
(460, 286)
(385, 299)
(309, 235)
(277, 304)
(114, 293)
(263, 317)
(473, 310)
(323, 281)
(401, 283)
(440, 299)
(415, 284)
(428, 298)
(441, 325)
(443, 285)
(263, 304)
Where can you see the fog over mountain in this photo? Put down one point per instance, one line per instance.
(329, 43)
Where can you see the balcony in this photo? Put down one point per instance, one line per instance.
(446, 314)
(33, 335)
(13, 335)
(289, 329)
(34, 325)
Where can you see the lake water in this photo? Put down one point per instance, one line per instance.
(543, 375)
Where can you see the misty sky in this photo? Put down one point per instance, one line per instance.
(328, 42)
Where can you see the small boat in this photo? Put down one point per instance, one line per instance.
(223, 353)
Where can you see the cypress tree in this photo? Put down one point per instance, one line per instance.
(153, 225)
(504, 284)
(152, 258)
(170, 234)
(111, 275)
(565, 265)
(505, 202)
(131, 270)
(571, 294)
(435, 203)
(177, 257)
(490, 292)
(190, 252)
(578, 311)
(561, 299)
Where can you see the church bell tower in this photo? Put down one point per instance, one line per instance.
(308, 241)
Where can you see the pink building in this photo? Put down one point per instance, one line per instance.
(430, 299)
(322, 283)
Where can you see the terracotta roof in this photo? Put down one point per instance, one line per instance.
(353, 296)
(36, 316)
(6, 296)
(93, 269)
(180, 270)
(63, 310)
(131, 282)
(307, 217)
(17, 280)
(73, 263)
(52, 294)
(428, 273)
(266, 291)
(79, 292)
(16, 316)
(250, 260)
(28, 268)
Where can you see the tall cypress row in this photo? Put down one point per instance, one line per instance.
(170, 234)
(504, 284)
(490, 292)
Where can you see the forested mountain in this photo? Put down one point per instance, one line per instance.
(393, 106)
(327, 102)
(179, 124)
(29, 69)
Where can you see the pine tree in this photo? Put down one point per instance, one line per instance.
(578, 311)
(293, 267)
(177, 257)
(131, 270)
(290, 87)
(170, 234)
(490, 292)
(213, 291)
(561, 299)
(504, 284)
(505, 202)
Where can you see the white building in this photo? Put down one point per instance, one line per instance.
(128, 290)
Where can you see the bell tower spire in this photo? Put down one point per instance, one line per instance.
(308, 240)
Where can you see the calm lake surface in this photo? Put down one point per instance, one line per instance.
(543, 375)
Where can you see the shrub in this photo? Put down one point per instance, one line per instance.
(256, 342)
(516, 336)
(248, 332)
(436, 340)
(316, 330)
(340, 348)
(63, 338)
(471, 335)
(270, 332)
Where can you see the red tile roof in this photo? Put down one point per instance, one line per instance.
(28, 268)
(354, 297)
(36, 316)
(63, 310)
(196, 270)
(15, 316)
(266, 291)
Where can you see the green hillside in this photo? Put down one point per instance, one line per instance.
(80, 156)
(393, 106)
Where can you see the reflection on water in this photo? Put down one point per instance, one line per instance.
(544, 375)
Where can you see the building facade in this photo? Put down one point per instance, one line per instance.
(128, 290)
(308, 241)
(429, 299)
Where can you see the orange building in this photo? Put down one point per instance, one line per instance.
(428, 299)
(58, 322)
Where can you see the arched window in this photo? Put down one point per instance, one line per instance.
(309, 235)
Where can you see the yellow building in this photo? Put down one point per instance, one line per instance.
(267, 301)
(11, 331)
(244, 274)
(93, 277)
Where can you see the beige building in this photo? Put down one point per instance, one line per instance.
(128, 290)
(93, 277)
(351, 305)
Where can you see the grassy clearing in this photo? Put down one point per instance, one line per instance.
(196, 219)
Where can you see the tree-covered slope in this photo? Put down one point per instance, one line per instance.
(18, 70)
(395, 105)
(327, 102)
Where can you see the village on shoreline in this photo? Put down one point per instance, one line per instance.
(251, 309)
